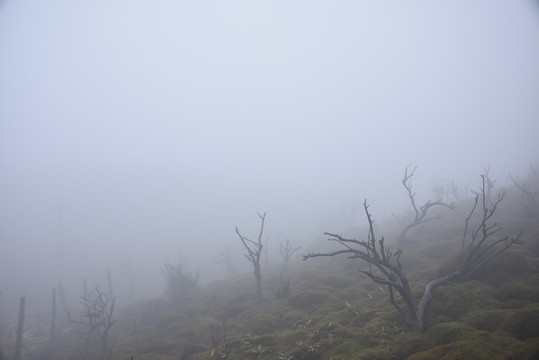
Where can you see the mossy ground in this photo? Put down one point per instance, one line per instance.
(335, 312)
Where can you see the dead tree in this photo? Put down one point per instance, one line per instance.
(181, 281)
(529, 197)
(286, 251)
(488, 184)
(96, 317)
(254, 250)
(446, 189)
(384, 266)
(226, 259)
(421, 212)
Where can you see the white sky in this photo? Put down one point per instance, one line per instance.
(159, 126)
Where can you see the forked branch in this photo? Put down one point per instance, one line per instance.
(421, 212)
(254, 250)
(384, 266)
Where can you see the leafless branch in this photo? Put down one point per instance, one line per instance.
(254, 250)
(529, 198)
(421, 212)
(384, 266)
(96, 316)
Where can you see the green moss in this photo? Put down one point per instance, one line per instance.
(381, 352)
(153, 356)
(487, 320)
(456, 301)
(262, 340)
(233, 310)
(502, 268)
(519, 291)
(523, 324)
(306, 354)
(326, 309)
(448, 332)
(262, 323)
(170, 320)
(407, 344)
(347, 350)
(160, 346)
(292, 318)
(529, 351)
(309, 298)
(293, 337)
(339, 281)
(461, 350)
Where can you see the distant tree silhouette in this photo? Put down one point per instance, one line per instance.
(96, 316)
(420, 213)
(254, 250)
(180, 280)
(528, 195)
(286, 251)
(226, 259)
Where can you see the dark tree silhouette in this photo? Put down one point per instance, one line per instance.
(226, 259)
(96, 316)
(286, 251)
(254, 250)
(384, 267)
(528, 196)
(181, 281)
(421, 212)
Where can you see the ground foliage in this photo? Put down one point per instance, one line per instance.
(334, 312)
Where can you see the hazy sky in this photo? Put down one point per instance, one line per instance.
(149, 128)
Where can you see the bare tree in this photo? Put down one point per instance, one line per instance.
(446, 189)
(286, 251)
(488, 185)
(226, 259)
(384, 266)
(254, 250)
(181, 282)
(529, 197)
(421, 212)
(96, 316)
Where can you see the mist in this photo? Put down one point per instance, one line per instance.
(135, 131)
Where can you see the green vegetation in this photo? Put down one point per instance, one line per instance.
(335, 312)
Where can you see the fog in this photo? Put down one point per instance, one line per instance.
(133, 131)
